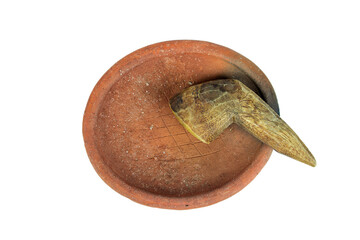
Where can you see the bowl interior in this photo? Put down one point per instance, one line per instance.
(141, 141)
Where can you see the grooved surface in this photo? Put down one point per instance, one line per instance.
(146, 146)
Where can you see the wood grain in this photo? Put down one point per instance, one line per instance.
(207, 109)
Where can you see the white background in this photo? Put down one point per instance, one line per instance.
(52, 55)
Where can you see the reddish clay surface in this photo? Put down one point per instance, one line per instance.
(138, 147)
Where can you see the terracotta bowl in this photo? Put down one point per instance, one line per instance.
(141, 151)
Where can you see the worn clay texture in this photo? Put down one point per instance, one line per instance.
(143, 142)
